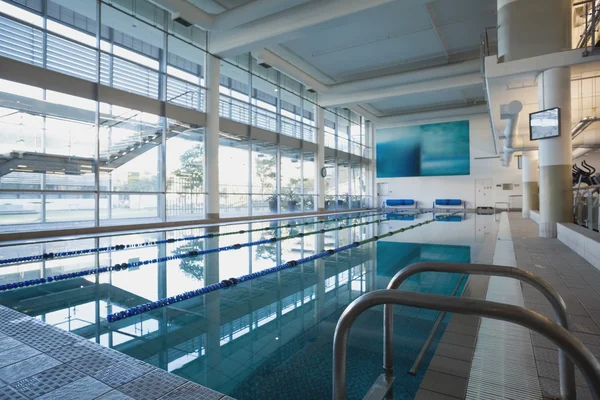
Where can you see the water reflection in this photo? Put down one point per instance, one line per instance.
(229, 338)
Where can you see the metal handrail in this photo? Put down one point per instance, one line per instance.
(566, 368)
(576, 351)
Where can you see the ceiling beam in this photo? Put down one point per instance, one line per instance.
(377, 94)
(386, 81)
(287, 25)
(226, 20)
(431, 116)
(432, 19)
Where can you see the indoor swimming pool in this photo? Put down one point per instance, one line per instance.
(269, 337)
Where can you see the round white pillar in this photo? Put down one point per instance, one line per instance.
(555, 154)
(529, 28)
(383, 192)
(531, 199)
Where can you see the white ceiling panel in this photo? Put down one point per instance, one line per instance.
(376, 55)
(462, 36)
(448, 12)
(377, 38)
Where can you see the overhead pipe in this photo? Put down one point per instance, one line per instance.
(510, 113)
(228, 19)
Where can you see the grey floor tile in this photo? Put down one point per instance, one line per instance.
(114, 395)
(153, 385)
(82, 389)
(465, 319)
(26, 368)
(449, 385)
(16, 354)
(7, 342)
(47, 381)
(453, 351)
(458, 339)
(423, 394)
(462, 329)
(550, 388)
(8, 393)
(450, 366)
(122, 372)
(92, 363)
(194, 391)
(71, 352)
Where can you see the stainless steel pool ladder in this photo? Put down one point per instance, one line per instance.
(569, 346)
(565, 366)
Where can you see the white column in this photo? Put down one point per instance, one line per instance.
(556, 200)
(531, 199)
(320, 158)
(529, 28)
(211, 142)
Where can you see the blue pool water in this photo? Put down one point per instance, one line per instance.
(269, 338)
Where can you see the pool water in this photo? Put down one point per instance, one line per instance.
(268, 338)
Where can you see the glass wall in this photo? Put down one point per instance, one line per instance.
(291, 180)
(184, 171)
(234, 175)
(96, 159)
(264, 178)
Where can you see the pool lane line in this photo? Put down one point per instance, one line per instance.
(226, 283)
(192, 253)
(117, 247)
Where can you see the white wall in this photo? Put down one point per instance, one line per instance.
(427, 189)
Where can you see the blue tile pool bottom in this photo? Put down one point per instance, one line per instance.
(287, 351)
(302, 368)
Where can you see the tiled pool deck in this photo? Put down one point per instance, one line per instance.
(39, 361)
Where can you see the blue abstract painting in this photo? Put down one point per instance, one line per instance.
(423, 150)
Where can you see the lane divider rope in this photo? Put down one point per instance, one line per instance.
(226, 283)
(117, 247)
(191, 253)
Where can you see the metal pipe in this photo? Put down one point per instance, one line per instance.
(577, 352)
(566, 369)
(436, 326)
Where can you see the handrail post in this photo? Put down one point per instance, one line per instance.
(569, 344)
(565, 366)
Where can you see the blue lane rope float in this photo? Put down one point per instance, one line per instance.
(192, 253)
(117, 247)
(226, 283)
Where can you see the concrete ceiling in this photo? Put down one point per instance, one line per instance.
(397, 36)
(347, 41)
(218, 6)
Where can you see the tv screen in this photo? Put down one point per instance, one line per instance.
(544, 124)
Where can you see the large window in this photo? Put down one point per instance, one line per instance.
(233, 175)
(291, 180)
(85, 157)
(130, 163)
(264, 178)
(185, 170)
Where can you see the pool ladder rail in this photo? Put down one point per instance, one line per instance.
(571, 350)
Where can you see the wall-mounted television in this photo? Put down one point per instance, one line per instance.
(544, 124)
